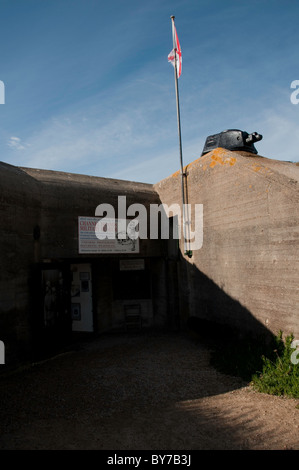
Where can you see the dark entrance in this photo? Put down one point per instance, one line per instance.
(52, 320)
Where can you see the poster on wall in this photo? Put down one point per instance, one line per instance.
(96, 235)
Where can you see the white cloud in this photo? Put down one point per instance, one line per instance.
(15, 143)
(105, 138)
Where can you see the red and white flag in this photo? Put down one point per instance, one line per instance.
(176, 52)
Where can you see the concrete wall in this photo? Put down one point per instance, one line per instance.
(20, 214)
(247, 272)
(65, 196)
(39, 227)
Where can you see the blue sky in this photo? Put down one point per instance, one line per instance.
(88, 88)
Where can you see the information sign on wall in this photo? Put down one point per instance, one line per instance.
(111, 236)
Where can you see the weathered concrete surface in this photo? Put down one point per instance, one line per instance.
(20, 213)
(247, 272)
(39, 222)
(65, 196)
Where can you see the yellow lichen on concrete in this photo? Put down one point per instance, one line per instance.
(219, 156)
(176, 174)
(256, 168)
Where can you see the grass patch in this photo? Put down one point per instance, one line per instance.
(279, 375)
(269, 367)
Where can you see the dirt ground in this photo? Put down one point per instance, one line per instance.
(140, 392)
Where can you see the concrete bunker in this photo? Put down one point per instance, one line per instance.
(53, 287)
(68, 284)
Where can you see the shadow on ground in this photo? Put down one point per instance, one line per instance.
(147, 391)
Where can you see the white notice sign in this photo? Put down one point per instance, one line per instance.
(112, 236)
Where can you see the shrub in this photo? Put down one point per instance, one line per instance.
(268, 367)
(279, 376)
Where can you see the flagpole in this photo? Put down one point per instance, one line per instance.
(183, 174)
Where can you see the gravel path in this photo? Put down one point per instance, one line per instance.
(135, 392)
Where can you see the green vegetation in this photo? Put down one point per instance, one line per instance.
(279, 376)
(268, 368)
